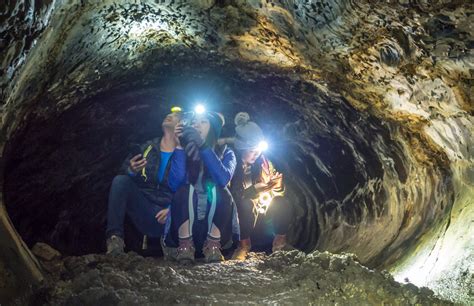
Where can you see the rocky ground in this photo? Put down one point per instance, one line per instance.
(282, 278)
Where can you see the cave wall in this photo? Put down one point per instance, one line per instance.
(376, 104)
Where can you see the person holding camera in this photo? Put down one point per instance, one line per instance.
(142, 189)
(202, 207)
(257, 188)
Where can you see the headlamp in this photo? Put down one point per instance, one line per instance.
(176, 109)
(199, 109)
(262, 146)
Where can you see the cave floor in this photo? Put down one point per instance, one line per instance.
(282, 278)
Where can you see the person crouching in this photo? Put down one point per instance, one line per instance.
(202, 207)
(257, 188)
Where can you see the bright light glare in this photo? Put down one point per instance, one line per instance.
(176, 109)
(200, 109)
(265, 199)
(262, 146)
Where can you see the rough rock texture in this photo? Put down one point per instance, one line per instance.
(369, 104)
(283, 278)
(45, 252)
(21, 23)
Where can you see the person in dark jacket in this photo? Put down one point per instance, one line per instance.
(257, 188)
(142, 190)
(202, 207)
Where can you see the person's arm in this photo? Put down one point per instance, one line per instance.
(177, 173)
(250, 193)
(125, 168)
(221, 171)
(279, 188)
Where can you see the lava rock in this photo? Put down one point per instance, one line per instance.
(45, 251)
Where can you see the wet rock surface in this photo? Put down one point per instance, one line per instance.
(282, 278)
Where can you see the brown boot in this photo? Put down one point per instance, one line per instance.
(212, 250)
(280, 244)
(242, 250)
(185, 251)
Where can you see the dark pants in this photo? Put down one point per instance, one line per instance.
(180, 213)
(126, 198)
(278, 216)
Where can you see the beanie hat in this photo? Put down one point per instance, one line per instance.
(216, 121)
(247, 133)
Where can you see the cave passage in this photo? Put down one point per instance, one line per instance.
(368, 112)
(337, 162)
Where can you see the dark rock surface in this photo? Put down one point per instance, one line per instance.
(369, 104)
(282, 278)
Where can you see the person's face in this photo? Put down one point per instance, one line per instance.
(250, 156)
(202, 125)
(171, 120)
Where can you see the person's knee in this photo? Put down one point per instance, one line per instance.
(280, 207)
(180, 203)
(121, 181)
(181, 195)
(225, 201)
(245, 205)
(280, 203)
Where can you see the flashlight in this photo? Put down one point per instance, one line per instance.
(262, 146)
(200, 109)
(265, 199)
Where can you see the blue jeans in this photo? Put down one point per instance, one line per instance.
(126, 198)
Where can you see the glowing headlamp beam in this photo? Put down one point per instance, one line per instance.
(262, 146)
(200, 109)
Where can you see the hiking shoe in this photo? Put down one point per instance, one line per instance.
(169, 253)
(212, 251)
(185, 251)
(115, 245)
(280, 244)
(242, 250)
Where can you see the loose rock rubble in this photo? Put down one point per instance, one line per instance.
(282, 278)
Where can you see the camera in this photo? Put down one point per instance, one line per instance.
(187, 118)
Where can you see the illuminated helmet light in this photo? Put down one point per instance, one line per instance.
(200, 109)
(176, 109)
(262, 146)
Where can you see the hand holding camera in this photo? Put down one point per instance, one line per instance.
(192, 142)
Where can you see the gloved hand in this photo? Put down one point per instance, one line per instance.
(192, 151)
(190, 134)
(192, 142)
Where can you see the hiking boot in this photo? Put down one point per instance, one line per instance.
(185, 251)
(169, 253)
(242, 250)
(280, 244)
(212, 251)
(115, 245)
